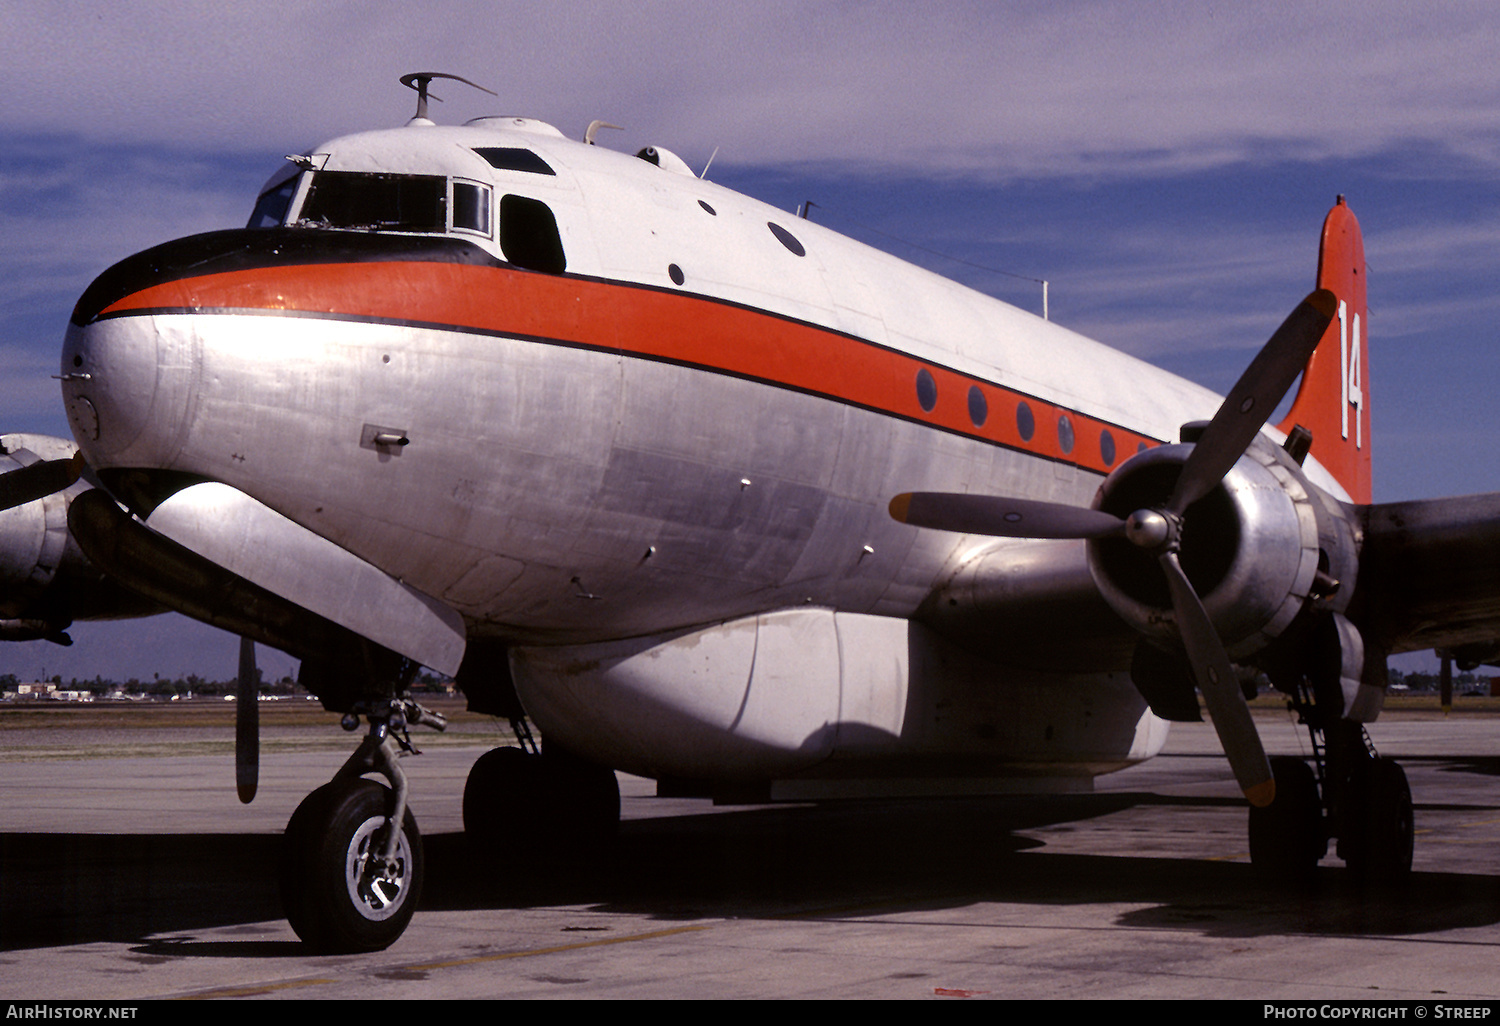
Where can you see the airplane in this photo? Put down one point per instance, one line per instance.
(716, 496)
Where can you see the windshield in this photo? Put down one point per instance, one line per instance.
(275, 198)
(349, 199)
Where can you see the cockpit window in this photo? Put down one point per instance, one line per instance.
(275, 198)
(529, 236)
(514, 158)
(352, 199)
(471, 208)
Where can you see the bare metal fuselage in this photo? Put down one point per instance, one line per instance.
(661, 472)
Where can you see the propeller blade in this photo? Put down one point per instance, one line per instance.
(1221, 690)
(1002, 517)
(1253, 399)
(38, 480)
(247, 725)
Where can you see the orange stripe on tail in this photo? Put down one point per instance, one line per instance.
(1334, 400)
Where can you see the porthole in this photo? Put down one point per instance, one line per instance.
(926, 389)
(1107, 448)
(786, 238)
(1065, 437)
(710, 209)
(1025, 422)
(979, 409)
(675, 273)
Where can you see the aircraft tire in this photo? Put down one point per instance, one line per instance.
(586, 793)
(503, 791)
(1286, 837)
(560, 800)
(1381, 830)
(333, 897)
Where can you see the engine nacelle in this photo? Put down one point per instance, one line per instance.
(46, 582)
(33, 537)
(1258, 549)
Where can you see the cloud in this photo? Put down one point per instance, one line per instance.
(980, 89)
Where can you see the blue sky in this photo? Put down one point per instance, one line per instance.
(1165, 166)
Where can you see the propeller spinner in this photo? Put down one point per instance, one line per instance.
(1158, 530)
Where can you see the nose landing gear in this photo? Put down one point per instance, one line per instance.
(349, 881)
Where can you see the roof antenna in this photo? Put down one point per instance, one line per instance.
(418, 80)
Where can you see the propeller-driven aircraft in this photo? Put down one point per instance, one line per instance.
(716, 496)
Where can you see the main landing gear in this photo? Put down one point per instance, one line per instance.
(564, 803)
(1349, 793)
(349, 881)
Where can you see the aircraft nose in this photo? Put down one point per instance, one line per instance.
(125, 384)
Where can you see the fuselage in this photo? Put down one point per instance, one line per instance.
(675, 406)
(643, 432)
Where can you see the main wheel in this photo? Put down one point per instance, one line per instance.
(1286, 837)
(1380, 829)
(337, 890)
(558, 799)
(503, 794)
(585, 793)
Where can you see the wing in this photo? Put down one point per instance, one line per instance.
(1430, 575)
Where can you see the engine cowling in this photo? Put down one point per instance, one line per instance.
(32, 536)
(46, 582)
(1259, 548)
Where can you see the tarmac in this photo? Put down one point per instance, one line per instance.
(128, 871)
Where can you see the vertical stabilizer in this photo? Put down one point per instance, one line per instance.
(1334, 400)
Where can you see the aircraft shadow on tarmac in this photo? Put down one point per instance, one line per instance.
(804, 862)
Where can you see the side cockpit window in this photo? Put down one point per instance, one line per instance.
(471, 208)
(377, 202)
(275, 198)
(529, 236)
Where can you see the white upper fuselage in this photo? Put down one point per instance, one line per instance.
(693, 421)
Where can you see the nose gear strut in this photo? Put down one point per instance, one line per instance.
(352, 862)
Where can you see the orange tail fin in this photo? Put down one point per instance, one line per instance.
(1334, 400)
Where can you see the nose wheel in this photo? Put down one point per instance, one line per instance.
(340, 891)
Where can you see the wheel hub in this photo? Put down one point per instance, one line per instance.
(377, 885)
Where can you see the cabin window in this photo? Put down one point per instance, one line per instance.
(926, 390)
(1065, 435)
(529, 236)
(786, 238)
(275, 198)
(377, 202)
(979, 407)
(471, 208)
(1025, 421)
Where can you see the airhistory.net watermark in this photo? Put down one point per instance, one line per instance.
(58, 1010)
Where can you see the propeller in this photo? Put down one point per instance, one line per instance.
(38, 480)
(1239, 419)
(247, 724)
